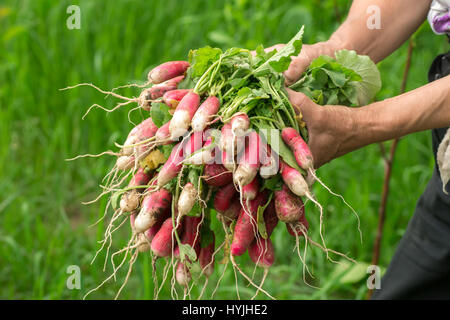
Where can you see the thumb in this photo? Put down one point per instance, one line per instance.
(301, 103)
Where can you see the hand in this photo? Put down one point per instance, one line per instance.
(330, 128)
(306, 56)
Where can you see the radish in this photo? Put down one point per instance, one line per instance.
(270, 218)
(125, 162)
(183, 114)
(288, 206)
(204, 114)
(173, 97)
(204, 156)
(229, 142)
(191, 234)
(154, 206)
(299, 148)
(299, 227)
(239, 124)
(216, 175)
(249, 161)
(187, 199)
(206, 258)
(182, 275)
(222, 199)
(228, 160)
(167, 70)
(143, 131)
(262, 253)
(269, 163)
(148, 95)
(172, 167)
(233, 211)
(162, 135)
(245, 229)
(142, 243)
(130, 199)
(250, 190)
(162, 242)
(192, 144)
(294, 180)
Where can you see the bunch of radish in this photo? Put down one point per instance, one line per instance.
(220, 140)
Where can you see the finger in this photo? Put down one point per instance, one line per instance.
(301, 103)
(295, 70)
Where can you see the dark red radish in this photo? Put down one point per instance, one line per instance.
(246, 225)
(163, 241)
(298, 227)
(262, 253)
(191, 234)
(222, 199)
(216, 175)
(288, 206)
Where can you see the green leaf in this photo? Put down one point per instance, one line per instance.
(187, 252)
(273, 183)
(202, 58)
(115, 199)
(160, 114)
(260, 218)
(281, 60)
(370, 82)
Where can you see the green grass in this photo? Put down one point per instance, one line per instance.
(44, 228)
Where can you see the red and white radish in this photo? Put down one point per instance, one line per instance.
(289, 207)
(293, 179)
(172, 167)
(188, 198)
(249, 162)
(207, 110)
(299, 147)
(167, 70)
(154, 205)
(183, 114)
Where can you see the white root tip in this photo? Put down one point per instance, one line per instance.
(187, 199)
(179, 124)
(199, 122)
(244, 175)
(129, 201)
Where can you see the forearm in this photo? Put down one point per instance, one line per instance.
(399, 19)
(427, 107)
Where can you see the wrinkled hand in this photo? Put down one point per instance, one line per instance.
(330, 127)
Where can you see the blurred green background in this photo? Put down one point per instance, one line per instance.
(44, 228)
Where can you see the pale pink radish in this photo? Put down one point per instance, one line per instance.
(222, 199)
(299, 147)
(249, 191)
(149, 95)
(289, 207)
(182, 275)
(216, 175)
(172, 167)
(172, 98)
(167, 70)
(163, 241)
(125, 162)
(191, 235)
(162, 135)
(206, 258)
(262, 253)
(269, 162)
(130, 199)
(188, 198)
(143, 131)
(155, 205)
(294, 180)
(239, 124)
(246, 225)
(249, 162)
(207, 110)
(183, 114)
